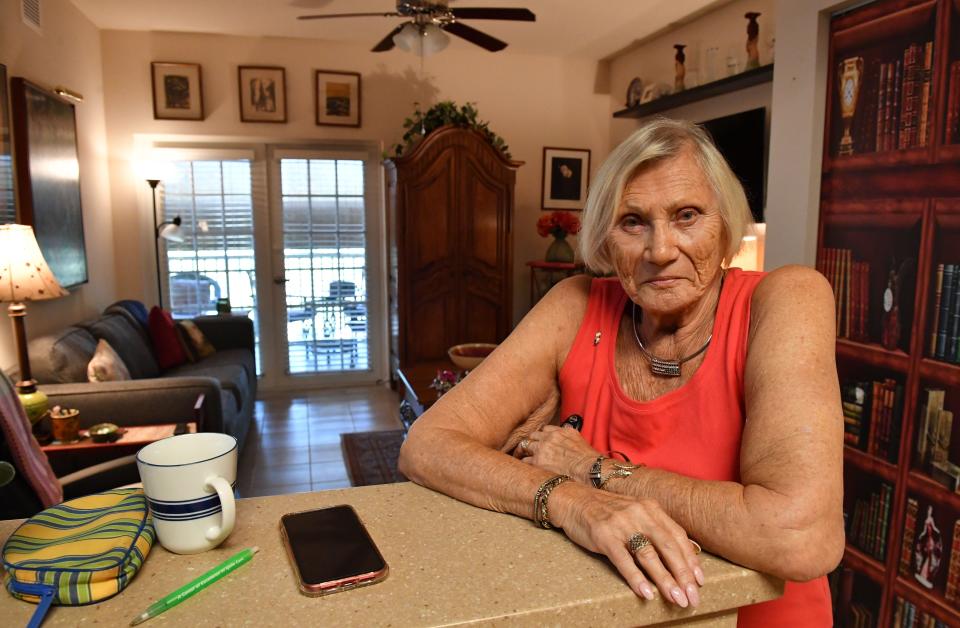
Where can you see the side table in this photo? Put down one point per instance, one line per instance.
(544, 275)
(69, 457)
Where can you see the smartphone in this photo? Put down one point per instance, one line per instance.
(330, 550)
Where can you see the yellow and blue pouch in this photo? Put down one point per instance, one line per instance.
(79, 552)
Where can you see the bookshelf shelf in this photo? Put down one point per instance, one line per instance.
(870, 464)
(889, 219)
(873, 354)
(936, 606)
(940, 372)
(932, 490)
(870, 567)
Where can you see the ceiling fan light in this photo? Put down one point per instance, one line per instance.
(408, 38)
(433, 39)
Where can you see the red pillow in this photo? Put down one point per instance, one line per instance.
(166, 344)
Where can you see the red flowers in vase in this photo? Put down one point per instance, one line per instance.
(558, 224)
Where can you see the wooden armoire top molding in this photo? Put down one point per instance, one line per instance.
(449, 136)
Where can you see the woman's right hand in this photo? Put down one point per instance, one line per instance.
(604, 522)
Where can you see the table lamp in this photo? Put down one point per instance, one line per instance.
(25, 276)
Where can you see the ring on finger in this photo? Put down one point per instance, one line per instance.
(696, 546)
(525, 446)
(637, 542)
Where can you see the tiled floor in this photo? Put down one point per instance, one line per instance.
(294, 444)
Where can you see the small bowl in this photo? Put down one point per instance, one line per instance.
(104, 433)
(468, 356)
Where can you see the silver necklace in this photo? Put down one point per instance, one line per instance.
(659, 366)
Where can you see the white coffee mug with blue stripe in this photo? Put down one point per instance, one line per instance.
(188, 481)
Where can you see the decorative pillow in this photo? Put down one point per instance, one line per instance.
(185, 343)
(198, 343)
(163, 333)
(106, 365)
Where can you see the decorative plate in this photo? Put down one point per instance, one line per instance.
(634, 92)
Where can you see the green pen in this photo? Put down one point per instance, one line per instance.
(194, 586)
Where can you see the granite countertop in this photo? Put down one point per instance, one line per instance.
(450, 564)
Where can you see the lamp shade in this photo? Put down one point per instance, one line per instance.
(171, 232)
(24, 274)
(408, 37)
(432, 39)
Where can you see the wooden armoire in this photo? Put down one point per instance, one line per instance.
(449, 220)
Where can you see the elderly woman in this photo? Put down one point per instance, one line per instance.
(709, 398)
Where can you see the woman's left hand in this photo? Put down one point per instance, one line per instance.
(560, 450)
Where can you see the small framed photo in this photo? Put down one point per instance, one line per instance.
(177, 91)
(263, 93)
(338, 98)
(566, 173)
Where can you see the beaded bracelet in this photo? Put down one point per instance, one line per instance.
(540, 515)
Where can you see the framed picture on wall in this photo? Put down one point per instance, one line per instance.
(177, 91)
(566, 173)
(338, 98)
(48, 178)
(8, 208)
(263, 93)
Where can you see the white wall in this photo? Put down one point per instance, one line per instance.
(796, 135)
(67, 53)
(532, 101)
(653, 61)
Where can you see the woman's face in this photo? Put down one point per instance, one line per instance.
(667, 239)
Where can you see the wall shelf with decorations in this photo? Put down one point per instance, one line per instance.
(889, 243)
(743, 80)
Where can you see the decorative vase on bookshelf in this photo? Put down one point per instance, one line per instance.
(850, 73)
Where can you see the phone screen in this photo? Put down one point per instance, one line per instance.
(330, 546)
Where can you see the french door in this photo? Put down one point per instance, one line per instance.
(327, 227)
(293, 237)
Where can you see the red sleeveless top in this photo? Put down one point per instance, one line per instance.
(694, 430)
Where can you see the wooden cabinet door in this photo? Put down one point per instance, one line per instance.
(484, 215)
(428, 237)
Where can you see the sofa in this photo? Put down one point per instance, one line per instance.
(227, 379)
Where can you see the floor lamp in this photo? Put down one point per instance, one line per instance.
(25, 276)
(168, 230)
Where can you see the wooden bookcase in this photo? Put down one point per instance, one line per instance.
(893, 202)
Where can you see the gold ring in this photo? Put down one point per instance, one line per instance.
(696, 546)
(637, 542)
(525, 446)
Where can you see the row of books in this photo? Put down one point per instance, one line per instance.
(930, 551)
(952, 132)
(907, 615)
(851, 290)
(944, 341)
(861, 616)
(870, 522)
(934, 437)
(872, 416)
(895, 101)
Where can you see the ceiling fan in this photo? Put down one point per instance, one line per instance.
(429, 20)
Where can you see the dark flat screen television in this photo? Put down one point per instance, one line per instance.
(740, 139)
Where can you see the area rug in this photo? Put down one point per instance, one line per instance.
(372, 456)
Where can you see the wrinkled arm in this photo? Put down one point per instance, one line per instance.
(785, 516)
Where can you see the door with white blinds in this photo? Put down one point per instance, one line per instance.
(213, 257)
(327, 226)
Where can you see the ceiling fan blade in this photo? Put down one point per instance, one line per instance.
(329, 15)
(483, 13)
(475, 37)
(387, 42)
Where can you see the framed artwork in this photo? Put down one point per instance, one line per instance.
(566, 173)
(8, 207)
(177, 91)
(263, 93)
(338, 98)
(48, 178)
